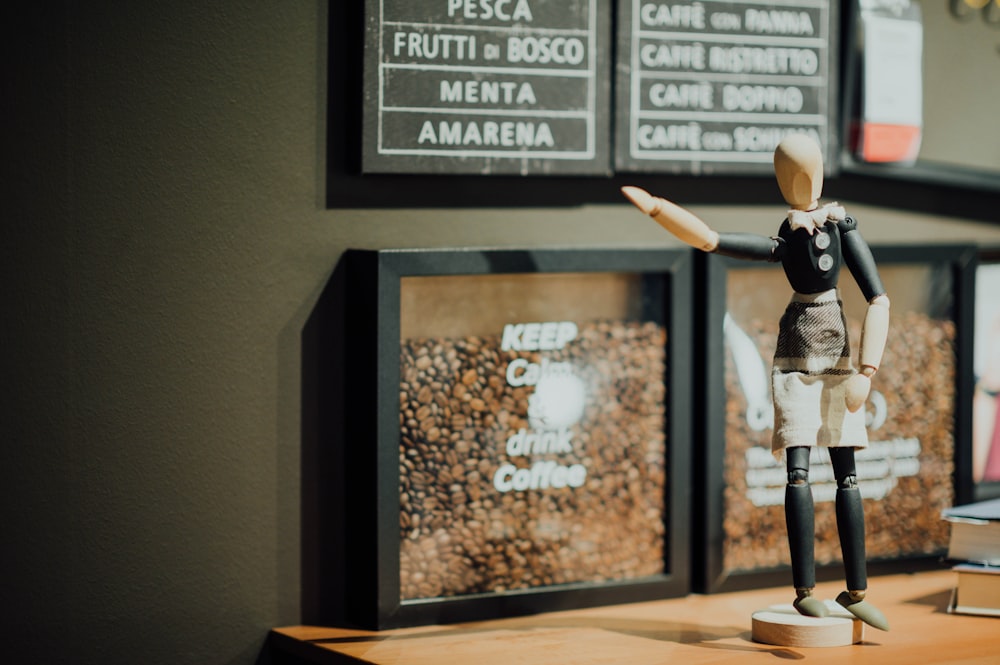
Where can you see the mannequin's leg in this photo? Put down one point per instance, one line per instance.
(850, 518)
(851, 528)
(800, 521)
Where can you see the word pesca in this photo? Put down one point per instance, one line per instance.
(487, 9)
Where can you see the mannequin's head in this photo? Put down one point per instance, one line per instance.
(798, 166)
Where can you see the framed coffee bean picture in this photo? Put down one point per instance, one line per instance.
(517, 431)
(917, 420)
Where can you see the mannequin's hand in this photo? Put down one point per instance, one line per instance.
(858, 387)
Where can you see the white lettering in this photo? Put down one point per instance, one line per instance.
(770, 98)
(720, 141)
(506, 134)
(673, 16)
(450, 134)
(778, 21)
(530, 336)
(545, 50)
(487, 92)
(725, 21)
(669, 137)
(489, 9)
(433, 46)
(673, 56)
(681, 95)
(525, 442)
(529, 339)
(542, 475)
(427, 134)
(511, 339)
(765, 139)
(763, 60)
(520, 372)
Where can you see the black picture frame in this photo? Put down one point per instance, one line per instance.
(727, 132)
(367, 525)
(712, 573)
(417, 119)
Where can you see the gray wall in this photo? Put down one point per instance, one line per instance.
(165, 241)
(962, 85)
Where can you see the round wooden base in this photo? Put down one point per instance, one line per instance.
(782, 625)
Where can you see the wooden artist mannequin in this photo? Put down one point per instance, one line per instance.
(817, 393)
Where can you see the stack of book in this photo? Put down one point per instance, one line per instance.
(975, 546)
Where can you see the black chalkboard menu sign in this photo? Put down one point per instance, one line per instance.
(713, 86)
(487, 87)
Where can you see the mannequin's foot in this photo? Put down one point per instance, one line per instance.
(808, 605)
(855, 603)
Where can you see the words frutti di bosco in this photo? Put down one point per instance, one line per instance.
(567, 51)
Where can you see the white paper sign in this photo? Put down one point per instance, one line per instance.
(892, 93)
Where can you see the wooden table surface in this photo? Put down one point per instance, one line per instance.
(692, 630)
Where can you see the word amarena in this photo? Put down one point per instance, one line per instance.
(507, 134)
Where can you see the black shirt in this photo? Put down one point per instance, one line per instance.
(811, 261)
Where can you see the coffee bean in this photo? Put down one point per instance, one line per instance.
(917, 379)
(461, 535)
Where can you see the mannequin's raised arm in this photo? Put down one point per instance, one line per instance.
(682, 223)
